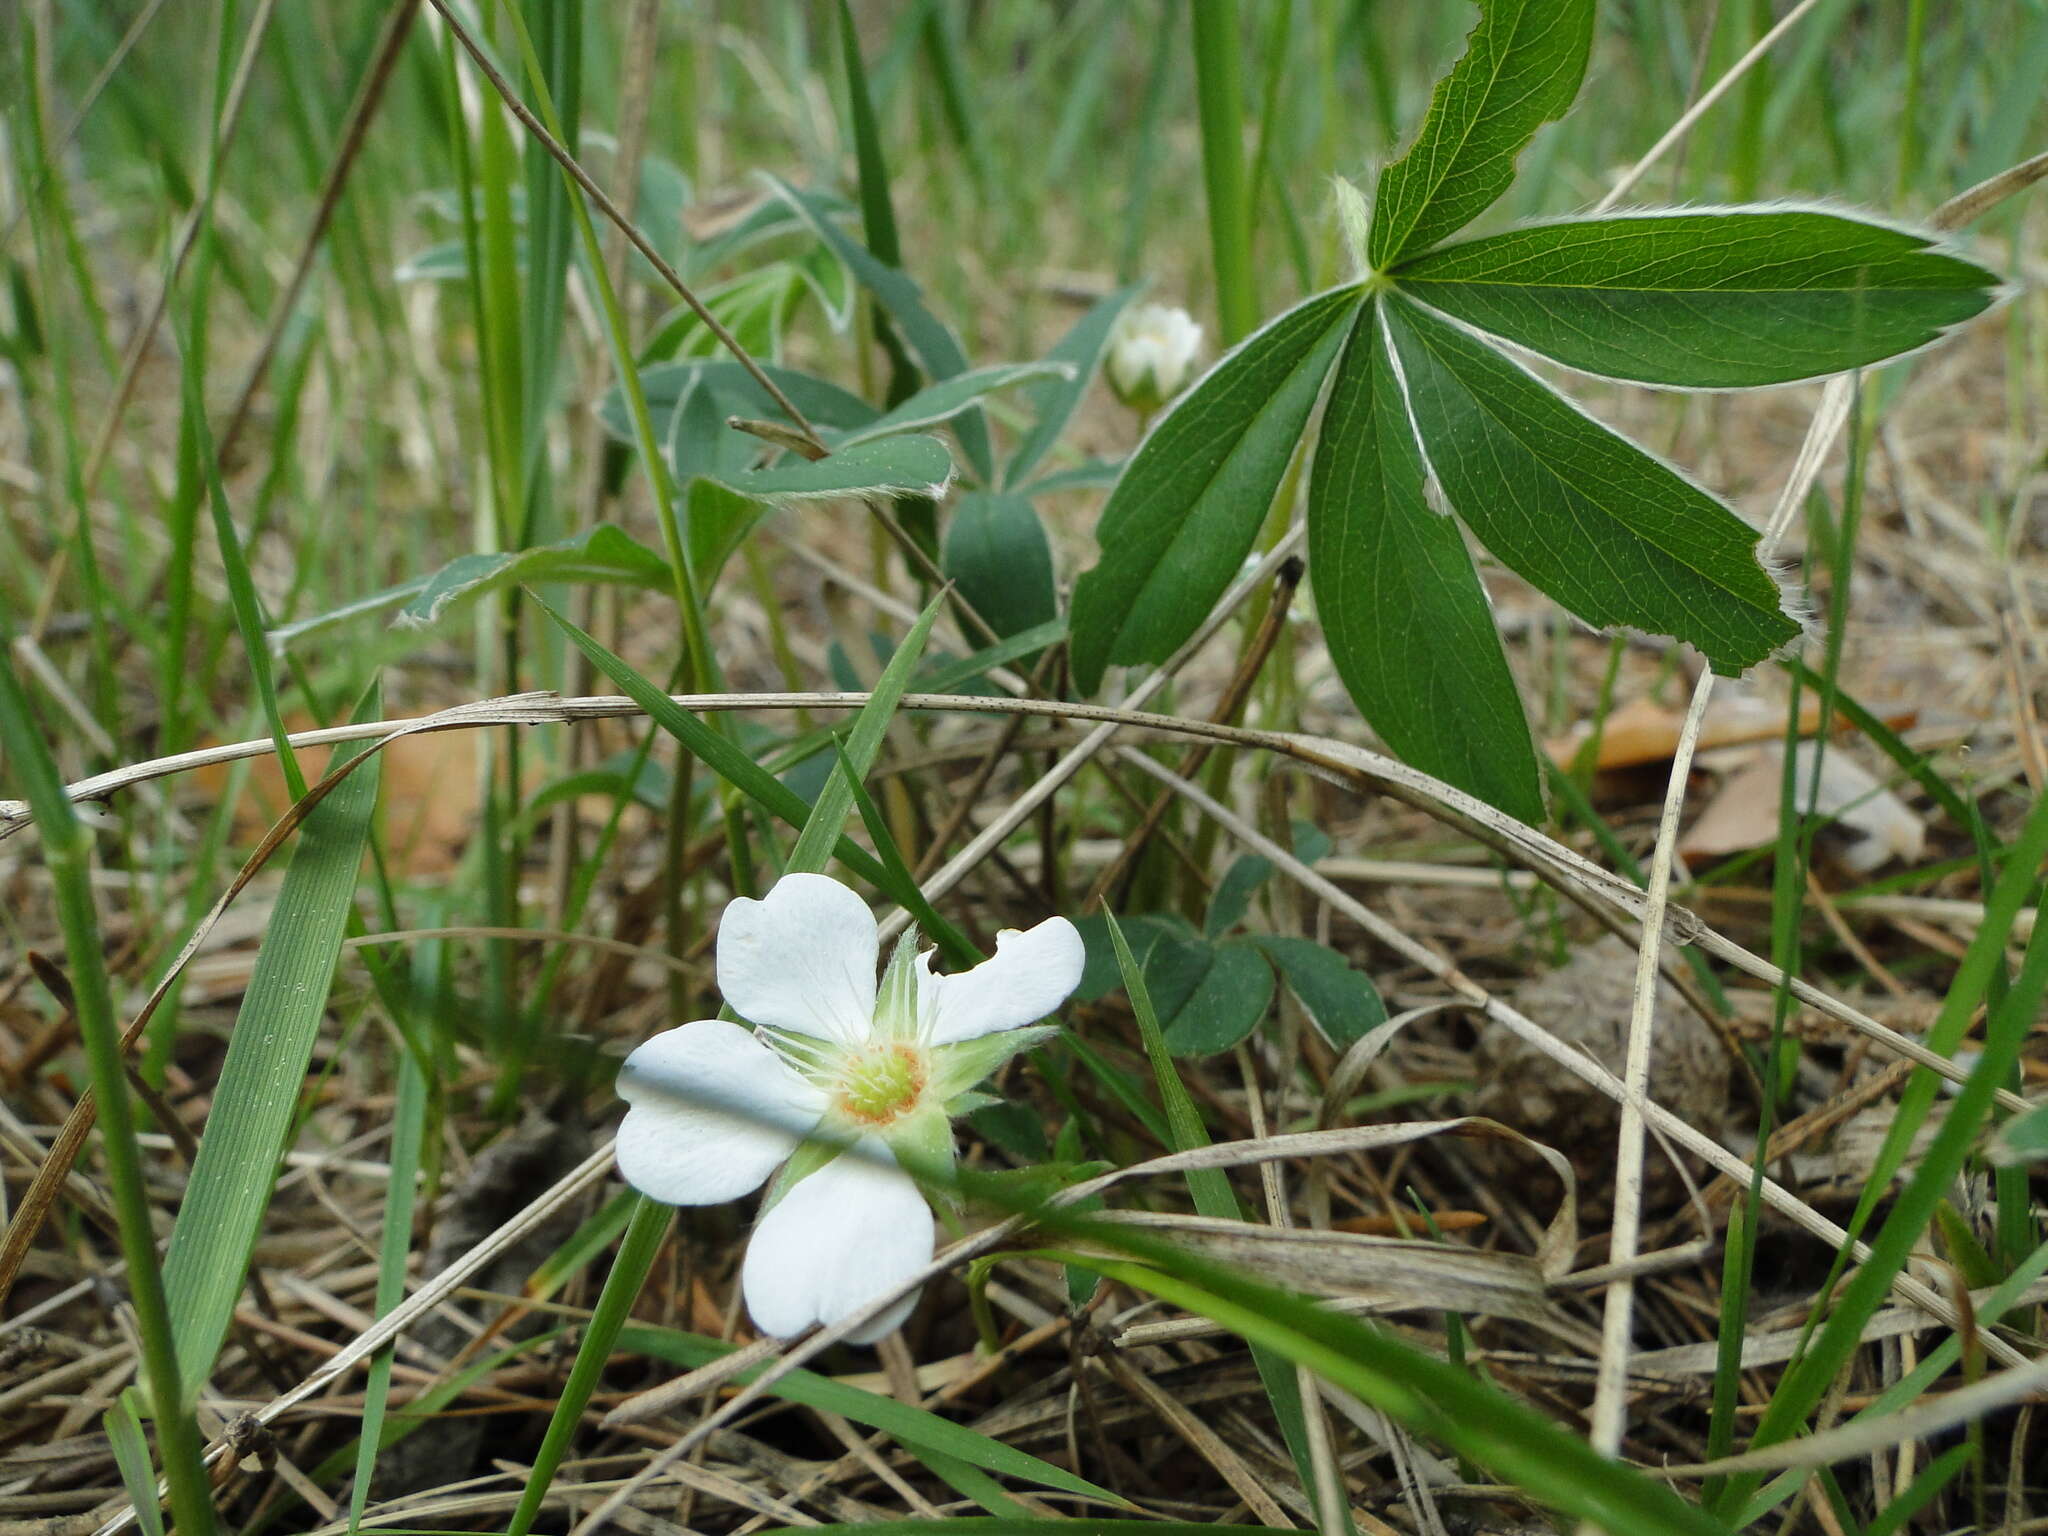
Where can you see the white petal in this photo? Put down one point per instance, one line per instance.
(1031, 975)
(713, 1111)
(802, 958)
(853, 1230)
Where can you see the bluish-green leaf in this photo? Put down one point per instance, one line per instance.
(1081, 350)
(1707, 300)
(1616, 536)
(1342, 1000)
(892, 466)
(1407, 623)
(937, 348)
(257, 1095)
(997, 554)
(826, 404)
(949, 397)
(1521, 68)
(603, 554)
(1190, 502)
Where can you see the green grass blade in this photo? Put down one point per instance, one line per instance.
(408, 1124)
(726, 760)
(131, 1457)
(822, 829)
(644, 1234)
(915, 1427)
(1807, 1380)
(67, 858)
(1213, 1196)
(264, 1072)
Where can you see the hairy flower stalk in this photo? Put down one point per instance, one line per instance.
(849, 1088)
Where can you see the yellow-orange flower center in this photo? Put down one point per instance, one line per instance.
(881, 1085)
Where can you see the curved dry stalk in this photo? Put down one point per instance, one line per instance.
(1352, 767)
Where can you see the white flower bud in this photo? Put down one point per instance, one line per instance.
(1152, 355)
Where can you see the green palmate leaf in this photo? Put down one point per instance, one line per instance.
(949, 397)
(1521, 68)
(1081, 351)
(996, 552)
(1708, 300)
(1617, 537)
(1406, 620)
(893, 466)
(603, 554)
(250, 1121)
(1343, 1002)
(1183, 516)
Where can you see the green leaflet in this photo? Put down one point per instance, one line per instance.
(1406, 620)
(1183, 516)
(826, 404)
(1344, 1003)
(604, 554)
(1615, 536)
(937, 348)
(949, 397)
(890, 466)
(1521, 68)
(1706, 300)
(996, 552)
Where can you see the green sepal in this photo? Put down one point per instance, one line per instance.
(967, 1103)
(958, 1067)
(922, 1142)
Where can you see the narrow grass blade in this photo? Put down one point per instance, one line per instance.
(131, 1456)
(264, 1071)
(1219, 98)
(1808, 1379)
(408, 1124)
(914, 1426)
(743, 773)
(644, 1234)
(1213, 1196)
(822, 829)
(67, 858)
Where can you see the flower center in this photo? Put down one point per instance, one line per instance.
(881, 1085)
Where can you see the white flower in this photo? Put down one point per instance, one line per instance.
(844, 1083)
(1152, 354)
